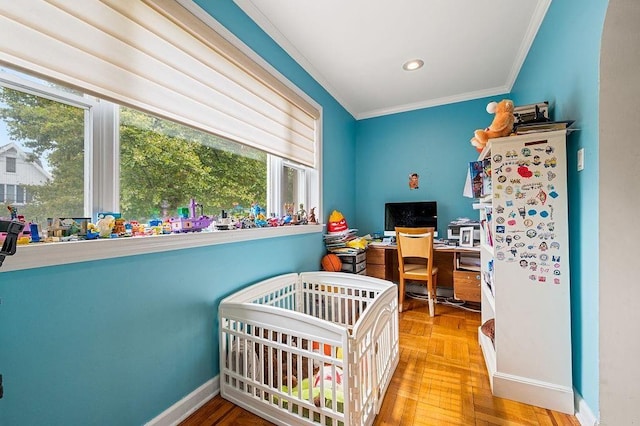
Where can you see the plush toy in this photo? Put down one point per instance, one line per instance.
(337, 222)
(105, 225)
(502, 124)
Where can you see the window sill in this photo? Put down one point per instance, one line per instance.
(50, 254)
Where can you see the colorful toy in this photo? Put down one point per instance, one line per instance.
(13, 212)
(502, 124)
(105, 226)
(337, 222)
(192, 223)
(331, 263)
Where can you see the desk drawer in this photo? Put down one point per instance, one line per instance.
(375, 256)
(376, 271)
(466, 286)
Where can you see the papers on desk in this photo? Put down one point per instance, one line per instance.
(381, 243)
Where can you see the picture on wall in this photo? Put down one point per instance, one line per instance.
(414, 181)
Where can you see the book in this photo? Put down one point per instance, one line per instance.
(476, 170)
(480, 177)
(547, 126)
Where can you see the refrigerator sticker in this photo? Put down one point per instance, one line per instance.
(542, 196)
(525, 172)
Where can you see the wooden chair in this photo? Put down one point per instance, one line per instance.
(415, 261)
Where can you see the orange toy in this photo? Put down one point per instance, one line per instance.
(331, 263)
(502, 124)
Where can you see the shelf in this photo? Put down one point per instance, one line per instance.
(482, 203)
(530, 304)
(488, 296)
(489, 353)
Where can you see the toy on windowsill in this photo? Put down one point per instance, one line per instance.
(13, 212)
(24, 235)
(312, 216)
(92, 232)
(301, 216)
(502, 124)
(105, 226)
(188, 221)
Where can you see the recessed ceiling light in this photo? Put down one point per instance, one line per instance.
(413, 65)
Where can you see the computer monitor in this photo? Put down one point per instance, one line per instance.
(411, 214)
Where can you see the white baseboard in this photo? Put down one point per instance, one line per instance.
(583, 413)
(187, 405)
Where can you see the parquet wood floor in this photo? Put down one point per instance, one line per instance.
(441, 380)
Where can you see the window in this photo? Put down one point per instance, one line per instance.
(163, 165)
(10, 196)
(11, 164)
(20, 198)
(158, 165)
(138, 99)
(47, 125)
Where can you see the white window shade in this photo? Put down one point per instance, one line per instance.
(156, 56)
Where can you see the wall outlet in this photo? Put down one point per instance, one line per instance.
(581, 159)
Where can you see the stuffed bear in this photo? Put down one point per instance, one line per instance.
(502, 124)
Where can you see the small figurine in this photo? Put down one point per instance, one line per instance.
(13, 212)
(302, 215)
(312, 216)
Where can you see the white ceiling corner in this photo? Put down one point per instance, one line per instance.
(355, 49)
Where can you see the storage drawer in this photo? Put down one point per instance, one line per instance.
(353, 258)
(354, 268)
(466, 286)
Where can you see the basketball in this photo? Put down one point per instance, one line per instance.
(331, 263)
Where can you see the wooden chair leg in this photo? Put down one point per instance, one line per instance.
(431, 292)
(401, 294)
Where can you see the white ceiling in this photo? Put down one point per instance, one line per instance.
(355, 48)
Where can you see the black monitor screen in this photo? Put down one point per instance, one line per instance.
(415, 214)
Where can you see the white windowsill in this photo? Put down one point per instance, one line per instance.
(50, 254)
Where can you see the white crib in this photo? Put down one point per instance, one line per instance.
(313, 348)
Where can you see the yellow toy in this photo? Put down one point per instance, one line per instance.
(502, 124)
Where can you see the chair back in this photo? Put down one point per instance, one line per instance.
(414, 243)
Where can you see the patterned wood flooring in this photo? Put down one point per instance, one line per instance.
(440, 380)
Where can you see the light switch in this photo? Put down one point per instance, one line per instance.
(580, 159)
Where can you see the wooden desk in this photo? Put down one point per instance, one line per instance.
(382, 262)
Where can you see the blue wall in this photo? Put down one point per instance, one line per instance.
(563, 67)
(116, 342)
(119, 341)
(433, 142)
